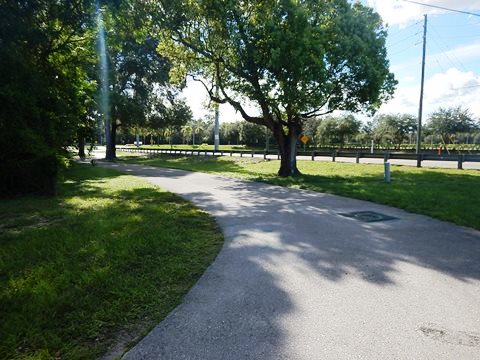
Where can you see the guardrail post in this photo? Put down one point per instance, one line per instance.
(419, 160)
(460, 161)
(313, 155)
(334, 155)
(357, 158)
(386, 156)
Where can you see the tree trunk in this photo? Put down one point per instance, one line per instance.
(287, 146)
(110, 153)
(81, 146)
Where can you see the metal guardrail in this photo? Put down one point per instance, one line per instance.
(459, 158)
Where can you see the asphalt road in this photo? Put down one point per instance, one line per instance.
(297, 280)
(467, 165)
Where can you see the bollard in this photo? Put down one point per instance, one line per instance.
(386, 175)
(334, 155)
(419, 160)
(253, 153)
(460, 161)
(265, 155)
(313, 155)
(357, 159)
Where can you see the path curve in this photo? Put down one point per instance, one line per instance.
(297, 280)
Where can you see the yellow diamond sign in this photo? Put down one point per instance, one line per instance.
(304, 139)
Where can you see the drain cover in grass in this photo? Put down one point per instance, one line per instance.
(368, 216)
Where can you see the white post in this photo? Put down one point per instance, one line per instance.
(386, 175)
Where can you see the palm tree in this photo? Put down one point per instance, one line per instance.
(186, 131)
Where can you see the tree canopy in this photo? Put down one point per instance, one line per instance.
(293, 59)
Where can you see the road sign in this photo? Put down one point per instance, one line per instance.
(304, 139)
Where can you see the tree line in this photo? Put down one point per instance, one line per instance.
(444, 127)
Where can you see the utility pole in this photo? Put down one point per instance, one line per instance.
(420, 107)
(216, 133)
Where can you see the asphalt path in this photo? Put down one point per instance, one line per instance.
(296, 279)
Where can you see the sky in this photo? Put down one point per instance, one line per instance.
(452, 71)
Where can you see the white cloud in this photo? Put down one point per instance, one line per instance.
(396, 12)
(451, 88)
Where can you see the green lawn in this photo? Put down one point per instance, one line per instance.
(447, 194)
(104, 261)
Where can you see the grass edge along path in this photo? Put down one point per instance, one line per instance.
(105, 260)
(446, 194)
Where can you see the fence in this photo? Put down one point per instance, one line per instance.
(459, 158)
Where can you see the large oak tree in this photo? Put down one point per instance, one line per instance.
(294, 59)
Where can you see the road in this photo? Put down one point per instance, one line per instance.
(296, 279)
(468, 165)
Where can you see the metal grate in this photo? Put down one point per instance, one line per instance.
(368, 216)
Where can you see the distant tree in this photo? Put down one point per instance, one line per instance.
(447, 122)
(393, 128)
(338, 130)
(169, 114)
(310, 128)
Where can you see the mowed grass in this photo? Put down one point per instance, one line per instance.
(447, 194)
(103, 262)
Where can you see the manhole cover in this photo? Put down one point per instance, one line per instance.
(368, 216)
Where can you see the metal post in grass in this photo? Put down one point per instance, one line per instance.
(386, 173)
(419, 160)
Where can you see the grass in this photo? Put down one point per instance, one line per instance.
(110, 255)
(447, 194)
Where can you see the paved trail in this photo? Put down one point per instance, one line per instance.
(296, 280)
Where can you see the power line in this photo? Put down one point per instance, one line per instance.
(467, 87)
(400, 31)
(408, 48)
(408, 37)
(446, 49)
(441, 7)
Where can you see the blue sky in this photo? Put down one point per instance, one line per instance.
(452, 76)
